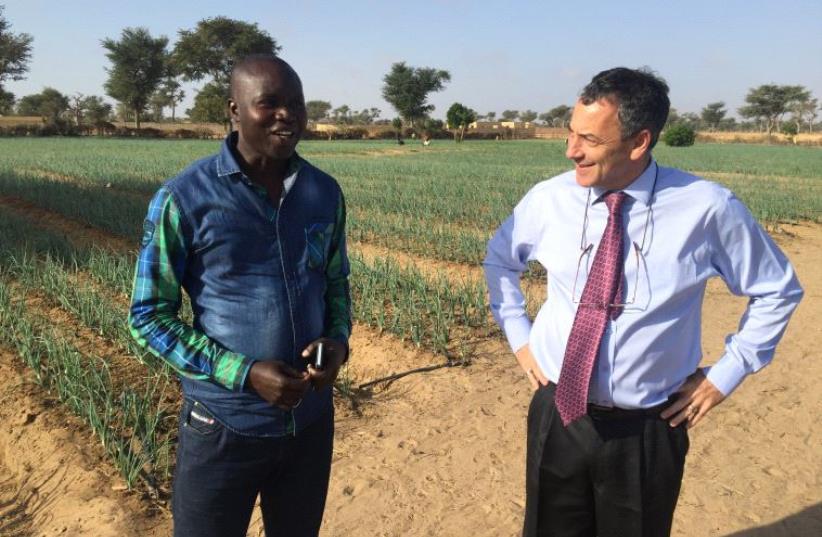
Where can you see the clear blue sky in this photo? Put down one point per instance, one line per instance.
(501, 55)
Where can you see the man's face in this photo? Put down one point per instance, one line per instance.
(268, 108)
(596, 146)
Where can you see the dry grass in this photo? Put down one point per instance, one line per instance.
(760, 138)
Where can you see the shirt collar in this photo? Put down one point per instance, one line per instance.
(227, 163)
(640, 189)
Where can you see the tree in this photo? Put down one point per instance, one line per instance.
(6, 102)
(397, 124)
(317, 110)
(406, 89)
(168, 95)
(97, 112)
(528, 116)
(210, 104)
(76, 107)
(713, 114)
(15, 52)
(430, 128)
(802, 106)
(342, 115)
(559, 116)
(673, 118)
(369, 115)
(212, 48)
(459, 117)
(690, 119)
(491, 116)
(769, 102)
(48, 104)
(813, 112)
(138, 64)
(510, 115)
(156, 103)
(29, 105)
(124, 113)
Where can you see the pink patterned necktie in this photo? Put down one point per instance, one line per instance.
(603, 288)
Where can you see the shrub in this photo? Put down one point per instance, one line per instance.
(183, 134)
(206, 134)
(149, 132)
(679, 135)
(789, 129)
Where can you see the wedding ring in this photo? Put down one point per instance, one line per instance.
(692, 410)
(530, 372)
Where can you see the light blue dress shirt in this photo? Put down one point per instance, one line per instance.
(694, 230)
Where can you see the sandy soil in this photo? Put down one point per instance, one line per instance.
(442, 453)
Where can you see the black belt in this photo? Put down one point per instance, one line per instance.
(612, 412)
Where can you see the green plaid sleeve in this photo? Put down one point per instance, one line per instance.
(337, 294)
(155, 303)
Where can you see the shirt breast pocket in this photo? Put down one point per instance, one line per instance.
(318, 243)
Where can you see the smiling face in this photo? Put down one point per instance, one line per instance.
(596, 145)
(268, 108)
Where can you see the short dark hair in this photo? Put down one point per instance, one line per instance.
(249, 63)
(641, 98)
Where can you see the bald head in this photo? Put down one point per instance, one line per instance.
(260, 65)
(267, 108)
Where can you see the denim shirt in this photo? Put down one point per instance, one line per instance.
(263, 281)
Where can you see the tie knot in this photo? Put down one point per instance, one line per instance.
(614, 201)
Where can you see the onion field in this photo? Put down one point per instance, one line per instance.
(71, 214)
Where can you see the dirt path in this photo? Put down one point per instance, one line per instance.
(442, 453)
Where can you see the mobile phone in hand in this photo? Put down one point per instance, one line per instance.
(319, 357)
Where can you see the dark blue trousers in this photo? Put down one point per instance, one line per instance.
(220, 473)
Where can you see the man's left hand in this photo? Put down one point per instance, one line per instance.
(335, 354)
(695, 398)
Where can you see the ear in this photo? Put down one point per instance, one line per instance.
(233, 111)
(641, 144)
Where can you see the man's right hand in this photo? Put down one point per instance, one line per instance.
(279, 384)
(529, 365)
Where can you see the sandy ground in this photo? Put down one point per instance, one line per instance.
(442, 453)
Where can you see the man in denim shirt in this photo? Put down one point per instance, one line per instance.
(256, 237)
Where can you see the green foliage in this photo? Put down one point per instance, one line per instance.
(210, 104)
(138, 64)
(48, 104)
(769, 102)
(215, 45)
(317, 110)
(167, 95)
(6, 102)
(679, 135)
(790, 129)
(713, 114)
(406, 89)
(559, 116)
(528, 116)
(459, 117)
(510, 115)
(15, 52)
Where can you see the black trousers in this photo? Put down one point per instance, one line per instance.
(220, 473)
(611, 473)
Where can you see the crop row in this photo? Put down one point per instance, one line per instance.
(129, 423)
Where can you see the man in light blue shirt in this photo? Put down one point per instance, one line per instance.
(617, 470)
